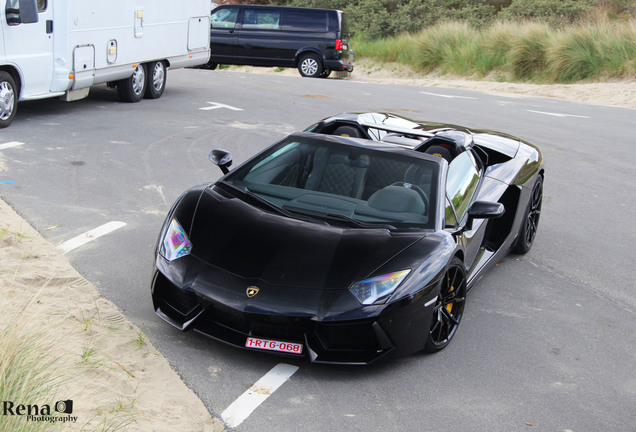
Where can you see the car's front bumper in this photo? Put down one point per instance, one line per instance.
(374, 333)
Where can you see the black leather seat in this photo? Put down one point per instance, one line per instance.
(447, 146)
(338, 173)
(397, 199)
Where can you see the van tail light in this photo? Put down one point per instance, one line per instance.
(338, 44)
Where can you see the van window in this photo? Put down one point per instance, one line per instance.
(305, 20)
(261, 18)
(224, 18)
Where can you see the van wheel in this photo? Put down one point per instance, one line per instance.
(8, 99)
(310, 65)
(155, 80)
(132, 89)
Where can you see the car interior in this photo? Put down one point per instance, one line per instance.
(369, 186)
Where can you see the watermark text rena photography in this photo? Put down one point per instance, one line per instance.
(59, 412)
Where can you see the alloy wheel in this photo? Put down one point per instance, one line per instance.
(449, 307)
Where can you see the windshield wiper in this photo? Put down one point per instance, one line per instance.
(280, 210)
(338, 216)
(256, 197)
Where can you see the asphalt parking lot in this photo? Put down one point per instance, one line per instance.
(547, 340)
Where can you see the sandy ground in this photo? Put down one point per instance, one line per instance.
(115, 377)
(615, 93)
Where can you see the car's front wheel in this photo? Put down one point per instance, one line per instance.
(528, 230)
(449, 307)
(310, 65)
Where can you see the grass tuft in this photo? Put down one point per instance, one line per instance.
(450, 47)
(28, 374)
(528, 51)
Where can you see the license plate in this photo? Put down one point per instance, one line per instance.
(271, 345)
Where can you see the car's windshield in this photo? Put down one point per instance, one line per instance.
(327, 179)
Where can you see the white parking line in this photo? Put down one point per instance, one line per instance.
(89, 236)
(242, 407)
(216, 105)
(448, 96)
(10, 145)
(557, 114)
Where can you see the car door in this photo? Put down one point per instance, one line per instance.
(260, 41)
(462, 184)
(223, 33)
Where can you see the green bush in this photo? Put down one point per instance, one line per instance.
(575, 55)
(528, 51)
(553, 12)
(400, 49)
(447, 46)
(494, 47)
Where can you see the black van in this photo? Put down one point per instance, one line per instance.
(313, 40)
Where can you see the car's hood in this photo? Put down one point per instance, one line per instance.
(255, 244)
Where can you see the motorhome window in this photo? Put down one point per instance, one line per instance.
(261, 19)
(305, 20)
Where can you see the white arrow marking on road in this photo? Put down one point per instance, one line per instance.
(242, 407)
(10, 145)
(89, 236)
(448, 96)
(216, 105)
(557, 114)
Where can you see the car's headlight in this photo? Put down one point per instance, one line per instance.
(378, 289)
(175, 243)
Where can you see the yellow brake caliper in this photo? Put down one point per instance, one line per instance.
(449, 307)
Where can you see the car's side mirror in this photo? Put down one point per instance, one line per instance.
(484, 210)
(221, 158)
(27, 12)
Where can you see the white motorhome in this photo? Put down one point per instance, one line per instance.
(51, 48)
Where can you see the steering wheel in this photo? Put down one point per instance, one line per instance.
(417, 189)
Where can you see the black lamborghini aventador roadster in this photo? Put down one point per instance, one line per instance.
(352, 241)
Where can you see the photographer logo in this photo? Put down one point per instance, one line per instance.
(59, 412)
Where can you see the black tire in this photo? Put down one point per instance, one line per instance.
(156, 80)
(449, 307)
(132, 89)
(8, 99)
(528, 229)
(310, 65)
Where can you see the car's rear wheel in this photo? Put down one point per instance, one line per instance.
(528, 230)
(132, 89)
(8, 99)
(449, 307)
(156, 80)
(310, 65)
